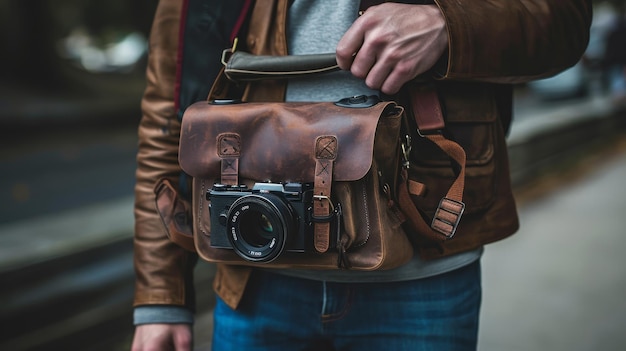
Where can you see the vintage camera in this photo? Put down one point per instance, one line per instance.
(262, 222)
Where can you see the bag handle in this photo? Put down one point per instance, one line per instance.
(241, 66)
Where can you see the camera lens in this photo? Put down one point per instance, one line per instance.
(260, 225)
(256, 228)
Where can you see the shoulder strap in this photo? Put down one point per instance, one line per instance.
(426, 110)
(245, 8)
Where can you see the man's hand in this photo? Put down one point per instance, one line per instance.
(159, 337)
(392, 43)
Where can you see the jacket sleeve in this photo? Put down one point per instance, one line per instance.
(514, 41)
(163, 269)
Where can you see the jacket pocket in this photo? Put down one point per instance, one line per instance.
(175, 213)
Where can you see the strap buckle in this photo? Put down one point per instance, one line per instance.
(327, 218)
(406, 151)
(227, 53)
(447, 217)
(425, 133)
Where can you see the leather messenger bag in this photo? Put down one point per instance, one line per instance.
(317, 185)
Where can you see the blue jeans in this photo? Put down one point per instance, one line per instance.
(285, 313)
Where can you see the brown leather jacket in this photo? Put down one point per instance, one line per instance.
(491, 44)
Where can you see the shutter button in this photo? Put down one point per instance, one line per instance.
(358, 101)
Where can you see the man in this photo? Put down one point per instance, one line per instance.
(474, 51)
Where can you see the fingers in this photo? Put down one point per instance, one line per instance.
(389, 76)
(359, 51)
(163, 337)
(378, 75)
(362, 63)
(395, 79)
(349, 45)
(386, 72)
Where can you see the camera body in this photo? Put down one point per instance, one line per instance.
(261, 223)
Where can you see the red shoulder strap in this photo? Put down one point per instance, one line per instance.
(240, 20)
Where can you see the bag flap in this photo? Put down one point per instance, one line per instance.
(276, 141)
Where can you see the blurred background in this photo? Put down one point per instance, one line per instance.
(71, 79)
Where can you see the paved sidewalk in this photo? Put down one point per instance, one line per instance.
(560, 283)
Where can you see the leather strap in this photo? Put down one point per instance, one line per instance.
(426, 109)
(451, 207)
(229, 150)
(240, 20)
(429, 120)
(325, 155)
